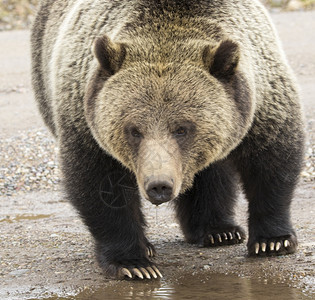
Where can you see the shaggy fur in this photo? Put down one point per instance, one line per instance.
(205, 82)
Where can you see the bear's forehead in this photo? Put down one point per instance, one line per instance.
(165, 83)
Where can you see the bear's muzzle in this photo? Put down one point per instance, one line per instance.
(159, 172)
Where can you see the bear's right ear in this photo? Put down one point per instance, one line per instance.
(110, 55)
(222, 60)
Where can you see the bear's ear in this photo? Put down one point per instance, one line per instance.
(222, 60)
(110, 55)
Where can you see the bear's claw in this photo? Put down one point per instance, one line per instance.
(238, 235)
(125, 272)
(224, 238)
(141, 272)
(150, 251)
(263, 246)
(274, 246)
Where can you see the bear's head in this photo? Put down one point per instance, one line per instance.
(166, 121)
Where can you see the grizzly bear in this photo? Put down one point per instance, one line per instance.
(170, 100)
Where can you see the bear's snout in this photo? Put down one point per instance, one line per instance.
(159, 171)
(159, 191)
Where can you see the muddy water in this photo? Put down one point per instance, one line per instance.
(200, 286)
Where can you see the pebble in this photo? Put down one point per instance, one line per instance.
(18, 272)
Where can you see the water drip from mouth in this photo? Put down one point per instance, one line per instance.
(156, 214)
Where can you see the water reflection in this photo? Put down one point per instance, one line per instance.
(200, 286)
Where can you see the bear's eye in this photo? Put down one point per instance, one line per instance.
(135, 132)
(181, 131)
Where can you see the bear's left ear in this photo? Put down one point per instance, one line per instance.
(110, 55)
(222, 60)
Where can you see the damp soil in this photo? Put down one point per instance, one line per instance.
(47, 253)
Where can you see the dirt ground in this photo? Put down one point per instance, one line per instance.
(46, 252)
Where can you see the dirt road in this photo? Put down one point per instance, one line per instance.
(45, 250)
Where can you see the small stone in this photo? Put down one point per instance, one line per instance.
(18, 272)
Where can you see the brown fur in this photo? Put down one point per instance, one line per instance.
(202, 85)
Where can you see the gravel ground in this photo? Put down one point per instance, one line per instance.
(28, 163)
(17, 14)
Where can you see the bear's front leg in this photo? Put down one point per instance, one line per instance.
(107, 199)
(206, 211)
(269, 177)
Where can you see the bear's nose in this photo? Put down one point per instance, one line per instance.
(159, 191)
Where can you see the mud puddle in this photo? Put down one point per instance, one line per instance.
(189, 286)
